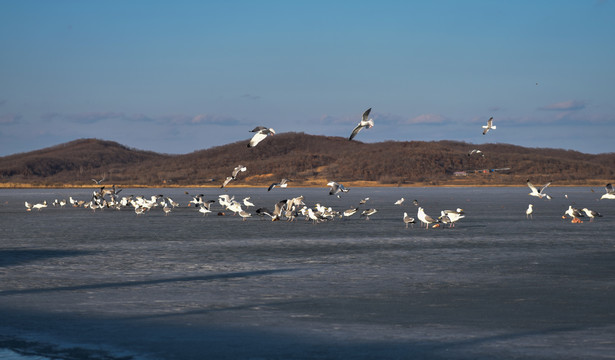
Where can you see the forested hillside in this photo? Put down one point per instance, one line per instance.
(307, 160)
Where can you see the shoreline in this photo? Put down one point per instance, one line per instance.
(348, 184)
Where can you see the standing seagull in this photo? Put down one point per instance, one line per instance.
(408, 220)
(610, 192)
(367, 213)
(489, 126)
(365, 122)
(591, 214)
(539, 193)
(425, 219)
(261, 134)
(529, 211)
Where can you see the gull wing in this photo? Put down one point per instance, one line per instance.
(258, 137)
(531, 186)
(355, 131)
(366, 114)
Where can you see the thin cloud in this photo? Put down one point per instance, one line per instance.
(9, 118)
(84, 118)
(250, 97)
(428, 119)
(571, 105)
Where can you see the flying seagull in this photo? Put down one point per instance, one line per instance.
(489, 126)
(610, 192)
(282, 184)
(98, 182)
(476, 151)
(365, 122)
(261, 134)
(336, 188)
(236, 170)
(539, 193)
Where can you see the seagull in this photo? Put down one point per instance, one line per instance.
(204, 209)
(369, 212)
(489, 126)
(226, 181)
(476, 151)
(244, 215)
(400, 201)
(424, 218)
(573, 212)
(591, 214)
(610, 192)
(247, 202)
(529, 211)
(166, 210)
(415, 202)
(98, 182)
(350, 211)
(365, 122)
(408, 220)
(282, 184)
(28, 206)
(451, 217)
(261, 134)
(39, 206)
(336, 188)
(538, 192)
(363, 201)
(237, 169)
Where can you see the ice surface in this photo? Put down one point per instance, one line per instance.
(188, 286)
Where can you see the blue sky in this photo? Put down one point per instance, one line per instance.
(180, 76)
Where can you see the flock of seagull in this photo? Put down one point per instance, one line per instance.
(294, 208)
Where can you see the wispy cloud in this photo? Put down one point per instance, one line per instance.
(9, 118)
(571, 105)
(177, 119)
(84, 118)
(250, 97)
(428, 119)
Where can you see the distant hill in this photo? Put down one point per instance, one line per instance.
(307, 160)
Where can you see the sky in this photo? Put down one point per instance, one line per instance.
(179, 76)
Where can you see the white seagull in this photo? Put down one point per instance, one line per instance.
(591, 214)
(400, 201)
(365, 122)
(39, 206)
(476, 151)
(350, 211)
(247, 202)
(529, 211)
(336, 188)
(451, 217)
(539, 193)
(261, 134)
(610, 192)
(424, 218)
(489, 126)
(282, 184)
(573, 212)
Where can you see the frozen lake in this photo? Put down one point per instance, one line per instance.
(110, 284)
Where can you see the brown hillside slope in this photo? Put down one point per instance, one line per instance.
(310, 159)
